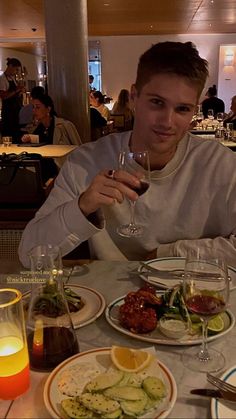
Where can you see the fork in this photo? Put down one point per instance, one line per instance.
(220, 384)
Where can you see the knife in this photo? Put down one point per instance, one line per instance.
(217, 394)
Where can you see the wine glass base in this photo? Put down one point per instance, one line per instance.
(130, 230)
(191, 360)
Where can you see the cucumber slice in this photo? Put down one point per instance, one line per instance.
(98, 403)
(76, 410)
(104, 381)
(133, 407)
(154, 387)
(125, 393)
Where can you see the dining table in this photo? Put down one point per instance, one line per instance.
(113, 279)
(50, 150)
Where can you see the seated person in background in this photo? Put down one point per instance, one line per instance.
(26, 117)
(97, 123)
(97, 102)
(91, 80)
(50, 128)
(231, 117)
(122, 107)
(212, 102)
(191, 198)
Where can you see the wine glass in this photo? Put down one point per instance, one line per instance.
(199, 118)
(210, 114)
(135, 162)
(220, 117)
(206, 293)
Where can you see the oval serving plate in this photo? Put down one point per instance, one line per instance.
(101, 358)
(111, 314)
(222, 409)
(94, 305)
(169, 263)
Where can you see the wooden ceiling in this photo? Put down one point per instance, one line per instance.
(20, 18)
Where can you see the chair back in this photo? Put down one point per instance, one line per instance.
(118, 121)
(21, 183)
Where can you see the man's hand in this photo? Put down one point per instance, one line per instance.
(107, 188)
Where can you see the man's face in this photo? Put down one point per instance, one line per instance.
(163, 112)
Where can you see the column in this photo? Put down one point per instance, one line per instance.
(67, 57)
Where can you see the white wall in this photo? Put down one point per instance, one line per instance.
(120, 56)
(227, 76)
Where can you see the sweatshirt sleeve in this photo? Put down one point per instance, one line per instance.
(59, 221)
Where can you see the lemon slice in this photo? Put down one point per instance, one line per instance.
(129, 360)
(216, 324)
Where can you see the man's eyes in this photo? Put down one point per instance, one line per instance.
(156, 101)
(183, 109)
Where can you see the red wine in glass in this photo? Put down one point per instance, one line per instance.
(142, 188)
(205, 306)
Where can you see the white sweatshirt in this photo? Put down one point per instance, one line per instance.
(190, 201)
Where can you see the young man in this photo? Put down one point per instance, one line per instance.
(191, 199)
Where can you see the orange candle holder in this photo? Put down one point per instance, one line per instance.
(14, 357)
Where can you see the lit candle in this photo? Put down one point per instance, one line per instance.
(14, 367)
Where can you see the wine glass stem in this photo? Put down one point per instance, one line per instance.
(132, 211)
(203, 353)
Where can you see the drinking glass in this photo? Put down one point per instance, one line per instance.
(199, 118)
(229, 131)
(7, 141)
(220, 117)
(50, 333)
(206, 293)
(14, 358)
(210, 114)
(135, 162)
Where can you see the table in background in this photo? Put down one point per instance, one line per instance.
(51, 150)
(210, 136)
(112, 279)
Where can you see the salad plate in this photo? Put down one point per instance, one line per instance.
(222, 409)
(169, 263)
(112, 317)
(100, 359)
(93, 305)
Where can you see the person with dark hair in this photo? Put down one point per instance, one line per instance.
(97, 102)
(51, 129)
(212, 102)
(190, 202)
(12, 100)
(231, 117)
(26, 112)
(91, 80)
(122, 107)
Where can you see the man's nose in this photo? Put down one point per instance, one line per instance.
(167, 117)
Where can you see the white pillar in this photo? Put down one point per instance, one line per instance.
(67, 58)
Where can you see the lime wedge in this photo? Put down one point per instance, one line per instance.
(216, 324)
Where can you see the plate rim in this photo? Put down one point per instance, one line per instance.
(106, 350)
(166, 258)
(169, 342)
(93, 291)
(215, 402)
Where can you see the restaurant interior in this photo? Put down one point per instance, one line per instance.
(77, 316)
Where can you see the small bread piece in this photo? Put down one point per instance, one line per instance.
(154, 387)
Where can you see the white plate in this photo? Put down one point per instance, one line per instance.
(175, 263)
(92, 309)
(156, 336)
(222, 409)
(101, 358)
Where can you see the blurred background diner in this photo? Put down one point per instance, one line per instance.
(97, 101)
(212, 102)
(11, 94)
(122, 107)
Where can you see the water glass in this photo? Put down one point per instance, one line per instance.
(14, 358)
(229, 131)
(7, 141)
